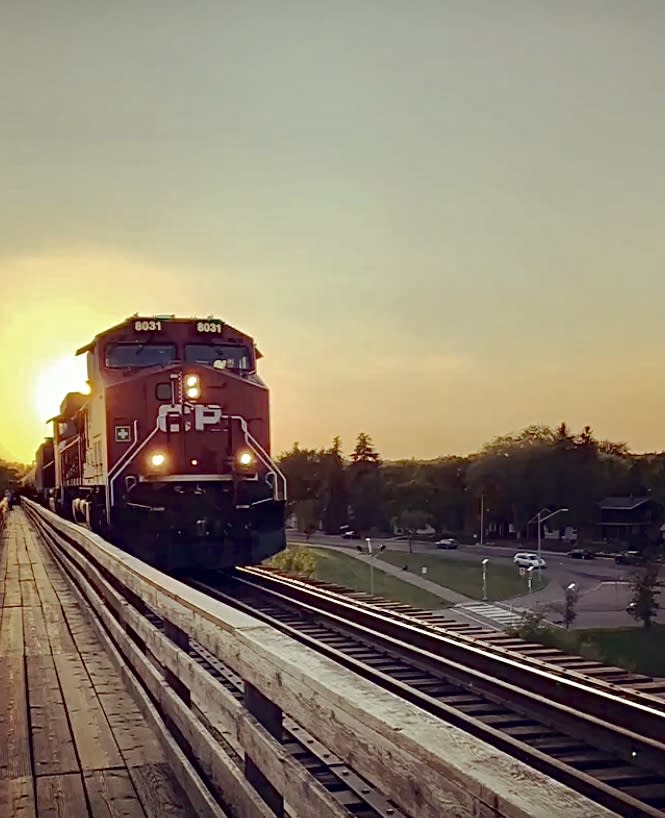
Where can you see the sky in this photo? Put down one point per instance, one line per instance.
(441, 221)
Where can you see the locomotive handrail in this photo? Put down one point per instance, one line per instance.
(264, 457)
(167, 637)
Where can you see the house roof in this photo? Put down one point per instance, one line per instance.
(622, 503)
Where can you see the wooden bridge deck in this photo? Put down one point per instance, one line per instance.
(72, 742)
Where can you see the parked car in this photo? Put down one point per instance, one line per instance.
(446, 542)
(528, 560)
(629, 558)
(581, 554)
(350, 535)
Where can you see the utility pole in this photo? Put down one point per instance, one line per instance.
(482, 518)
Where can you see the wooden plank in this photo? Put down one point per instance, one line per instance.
(29, 595)
(111, 794)
(12, 592)
(17, 798)
(136, 741)
(52, 742)
(58, 633)
(25, 573)
(159, 792)
(79, 627)
(47, 594)
(204, 806)
(61, 796)
(35, 634)
(11, 632)
(286, 775)
(97, 749)
(14, 732)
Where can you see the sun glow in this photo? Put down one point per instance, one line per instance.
(54, 381)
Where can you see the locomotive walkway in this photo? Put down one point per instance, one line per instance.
(72, 742)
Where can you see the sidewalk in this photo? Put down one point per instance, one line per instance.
(406, 576)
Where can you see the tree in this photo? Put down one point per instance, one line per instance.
(335, 500)
(366, 488)
(412, 521)
(295, 560)
(646, 588)
(10, 473)
(304, 478)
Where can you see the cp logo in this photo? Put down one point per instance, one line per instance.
(183, 418)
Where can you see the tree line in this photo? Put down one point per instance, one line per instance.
(10, 474)
(512, 477)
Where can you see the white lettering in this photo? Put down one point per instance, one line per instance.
(147, 326)
(177, 418)
(208, 326)
(206, 416)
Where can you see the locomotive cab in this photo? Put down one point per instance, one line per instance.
(169, 454)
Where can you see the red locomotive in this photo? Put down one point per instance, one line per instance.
(169, 455)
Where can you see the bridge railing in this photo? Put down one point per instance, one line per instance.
(222, 687)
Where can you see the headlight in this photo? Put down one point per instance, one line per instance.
(192, 386)
(158, 459)
(246, 458)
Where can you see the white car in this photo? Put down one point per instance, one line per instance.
(528, 560)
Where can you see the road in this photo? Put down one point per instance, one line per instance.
(603, 587)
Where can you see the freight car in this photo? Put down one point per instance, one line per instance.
(168, 456)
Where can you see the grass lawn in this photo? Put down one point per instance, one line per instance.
(465, 577)
(333, 566)
(632, 648)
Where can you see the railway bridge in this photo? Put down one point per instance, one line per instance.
(127, 693)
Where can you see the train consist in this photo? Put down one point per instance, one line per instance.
(168, 456)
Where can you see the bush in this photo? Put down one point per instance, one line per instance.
(295, 560)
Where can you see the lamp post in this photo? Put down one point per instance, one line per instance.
(569, 613)
(372, 556)
(485, 561)
(529, 572)
(540, 519)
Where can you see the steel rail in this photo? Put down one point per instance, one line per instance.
(563, 674)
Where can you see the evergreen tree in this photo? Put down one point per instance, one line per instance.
(335, 499)
(364, 451)
(366, 494)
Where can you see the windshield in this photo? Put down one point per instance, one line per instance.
(221, 356)
(119, 356)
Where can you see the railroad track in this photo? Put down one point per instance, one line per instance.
(612, 679)
(603, 740)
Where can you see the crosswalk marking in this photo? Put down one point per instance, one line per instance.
(495, 613)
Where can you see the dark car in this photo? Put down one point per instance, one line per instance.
(446, 542)
(629, 558)
(350, 535)
(580, 554)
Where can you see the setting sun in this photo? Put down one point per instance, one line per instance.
(58, 377)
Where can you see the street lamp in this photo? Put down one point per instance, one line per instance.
(529, 572)
(372, 556)
(485, 561)
(539, 517)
